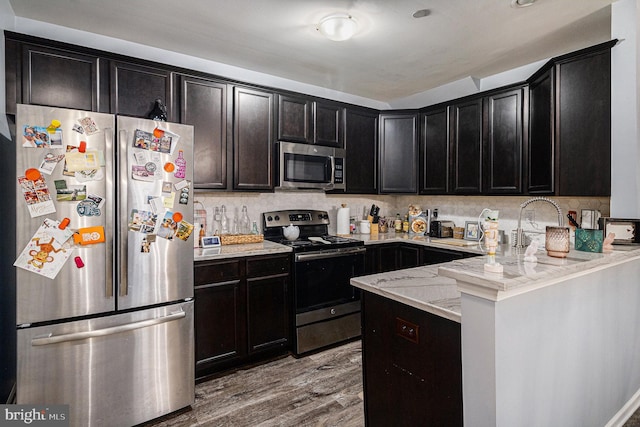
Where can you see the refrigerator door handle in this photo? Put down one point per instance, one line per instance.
(121, 260)
(76, 336)
(108, 141)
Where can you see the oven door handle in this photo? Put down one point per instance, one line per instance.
(334, 253)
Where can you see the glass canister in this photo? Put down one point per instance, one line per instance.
(557, 241)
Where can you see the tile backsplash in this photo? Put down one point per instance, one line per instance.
(455, 208)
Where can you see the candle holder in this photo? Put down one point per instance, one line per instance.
(557, 241)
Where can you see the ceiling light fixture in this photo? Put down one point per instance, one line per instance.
(522, 3)
(421, 13)
(338, 27)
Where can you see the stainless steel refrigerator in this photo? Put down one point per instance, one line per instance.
(105, 318)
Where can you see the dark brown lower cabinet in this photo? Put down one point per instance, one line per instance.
(412, 366)
(242, 311)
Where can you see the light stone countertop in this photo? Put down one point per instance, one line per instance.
(519, 276)
(242, 250)
(419, 287)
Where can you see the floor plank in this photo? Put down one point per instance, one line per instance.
(323, 389)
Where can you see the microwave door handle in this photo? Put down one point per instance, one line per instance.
(333, 171)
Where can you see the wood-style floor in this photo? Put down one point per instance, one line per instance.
(323, 389)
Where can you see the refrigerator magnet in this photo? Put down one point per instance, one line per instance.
(145, 246)
(181, 184)
(88, 208)
(49, 162)
(36, 195)
(47, 251)
(89, 126)
(168, 226)
(78, 128)
(39, 137)
(169, 201)
(181, 164)
(184, 230)
(89, 235)
(184, 196)
(142, 221)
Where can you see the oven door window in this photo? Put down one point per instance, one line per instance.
(306, 168)
(325, 282)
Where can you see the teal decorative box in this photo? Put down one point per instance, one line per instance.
(589, 240)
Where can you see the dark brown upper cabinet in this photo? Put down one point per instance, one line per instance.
(540, 153)
(398, 154)
(253, 120)
(361, 143)
(203, 104)
(569, 144)
(295, 118)
(134, 89)
(434, 151)
(327, 124)
(302, 119)
(503, 145)
(48, 76)
(583, 124)
(466, 147)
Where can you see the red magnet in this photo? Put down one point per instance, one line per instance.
(82, 147)
(158, 133)
(32, 174)
(177, 217)
(78, 262)
(64, 223)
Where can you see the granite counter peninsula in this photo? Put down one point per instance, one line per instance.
(556, 342)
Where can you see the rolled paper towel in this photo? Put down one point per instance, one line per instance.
(342, 221)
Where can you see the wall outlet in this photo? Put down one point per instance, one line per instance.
(530, 215)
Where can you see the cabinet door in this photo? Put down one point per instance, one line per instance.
(409, 256)
(327, 128)
(540, 170)
(437, 255)
(295, 116)
(398, 153)
(134, 89)
(503, 142)
(434, 152)
(59, 78)
(203, 105)
(412, 366)
(219, 324)
(361, 143)
(268, 313)
(252, 139)
(466, 134)
(388, 258)
(583, 125)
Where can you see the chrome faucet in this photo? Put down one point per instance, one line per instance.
(519, 240)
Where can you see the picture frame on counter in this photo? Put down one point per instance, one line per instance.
(471, 230)
(210, 242)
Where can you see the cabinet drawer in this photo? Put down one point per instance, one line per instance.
(268, 266)
(214, 272)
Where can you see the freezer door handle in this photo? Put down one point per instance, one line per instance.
(108, 140)
(121, 263)
(76, 336)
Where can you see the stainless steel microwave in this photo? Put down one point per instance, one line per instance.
(311, 166)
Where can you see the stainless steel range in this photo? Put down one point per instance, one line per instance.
(327, 307)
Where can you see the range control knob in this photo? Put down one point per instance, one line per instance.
(277, 218)
(269, 218)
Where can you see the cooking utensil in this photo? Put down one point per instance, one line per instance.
(319, 239)
(573, 221)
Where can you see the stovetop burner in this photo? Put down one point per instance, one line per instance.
(314, 228)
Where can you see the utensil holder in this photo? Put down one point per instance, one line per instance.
(557, 241)
(588, 240)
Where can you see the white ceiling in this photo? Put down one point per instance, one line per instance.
(393, 55)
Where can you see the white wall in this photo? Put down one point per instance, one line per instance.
(564, 355)
(625, 96)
